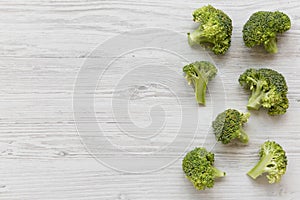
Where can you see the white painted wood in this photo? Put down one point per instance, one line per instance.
(43, 46)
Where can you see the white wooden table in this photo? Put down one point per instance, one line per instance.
(44, 44)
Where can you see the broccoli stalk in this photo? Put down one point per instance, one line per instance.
(273, 161)
(243, 137)
(199, 73)
(257, 95)
(200, 84)
(271, 45)
(261, 166)
(218, 173)
(196, 36)
(200, 88)
(199, 37)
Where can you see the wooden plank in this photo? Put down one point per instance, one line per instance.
(43, 46)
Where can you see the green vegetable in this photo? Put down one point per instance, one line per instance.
(214, 31)
(269, 90)
(273, 162)
(199, 73)
(228, 126)
(262, 28)
(198, 168)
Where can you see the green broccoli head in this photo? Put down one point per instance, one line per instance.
(199, 73)
(228, 126)
(198, 168)
(262, 28)
(214, 31)
(269, 90)
(273, 162)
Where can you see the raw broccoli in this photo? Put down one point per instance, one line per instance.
(214, 31)
(273, 161)
(269, 90)
(198, 168)
(228, 126)
(262, 28)
(199, 73)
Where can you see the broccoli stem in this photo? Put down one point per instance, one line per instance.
(200, 90)
(196, 37)
(254, 102)
(219, 173)
(193, 37)
(259, 168)
(243, 136)
(271, 45)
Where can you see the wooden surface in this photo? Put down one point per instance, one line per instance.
(43, 46)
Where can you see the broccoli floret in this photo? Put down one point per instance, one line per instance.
(273, 162)
(262, 28)
(198, 168)
(269, 90)
(228, 125)
(214, 31)
(199, 73)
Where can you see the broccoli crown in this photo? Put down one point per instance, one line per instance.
(199, 73)
(214, 31)
(269, 90)
(200, 70)
(262, 27)
(273, 162)
(198, 168)
(228, 126)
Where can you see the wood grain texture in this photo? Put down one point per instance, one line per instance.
(43, 44)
